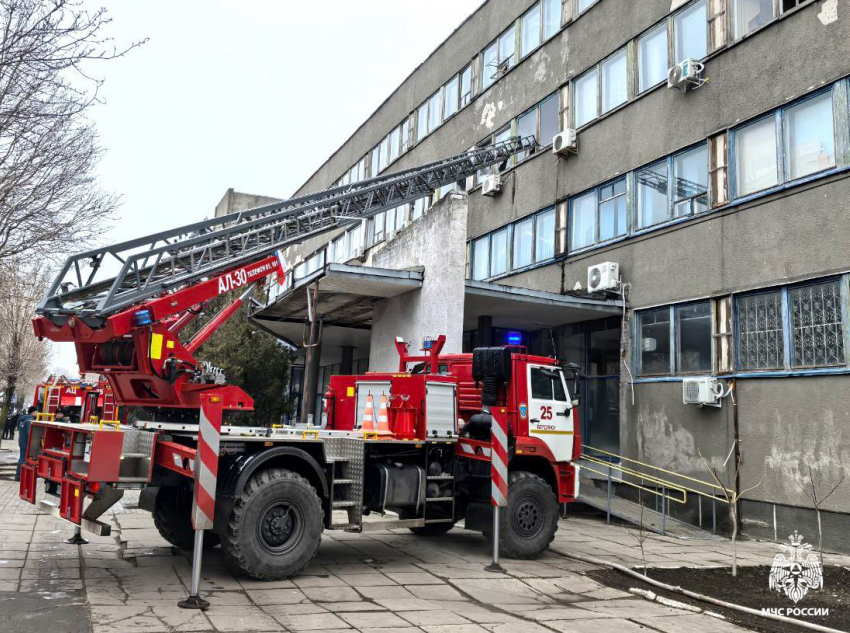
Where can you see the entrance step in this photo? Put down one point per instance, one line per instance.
(630, 512)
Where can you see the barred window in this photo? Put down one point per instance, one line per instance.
(760, 341)
(817, 326)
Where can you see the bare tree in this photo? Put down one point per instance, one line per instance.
(48, 148)
(642, 533)
(23, 358)
(732, 498)
(812, 490)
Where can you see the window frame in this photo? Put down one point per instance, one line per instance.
(596, 192)
(677, 14)
(790, 365)
(661, 26)
(778, 115)
(674, 363)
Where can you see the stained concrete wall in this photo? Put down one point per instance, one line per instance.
(436, 243)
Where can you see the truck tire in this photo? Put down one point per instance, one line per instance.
(172, 512)
(275, 527)
(529, 522)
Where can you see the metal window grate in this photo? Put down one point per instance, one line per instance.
(760, 331)
(817, 326)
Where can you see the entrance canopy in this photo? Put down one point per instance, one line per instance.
(524, 309)
(346, 297)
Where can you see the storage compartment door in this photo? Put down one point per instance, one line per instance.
(440, 410)
(376, 388)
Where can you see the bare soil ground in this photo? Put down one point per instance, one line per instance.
(750, 589)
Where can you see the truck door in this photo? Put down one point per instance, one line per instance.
(550, 411)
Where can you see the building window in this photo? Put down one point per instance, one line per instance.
(586, 98)
(750, 15)
(544, 242)
(612, 210)
(584, 5)
(582, 221)
(599, 215)
(693, 337)
(799, 327)
(526, 125)
(530, 30)
(688, 327)
(654, 342)
(378, 228)
(481, 258)
(489, 65)
(690, 182)
(541, 122)
(422, 122)
(757, 166)
(652, 58)
(434, 118)
(450, 97)
(652, 188)
(499, 252)
(551, 18)
(614, 81)
(549, 120)
(817, 327)
(405, 136)
(809, 137)
(760, 340)
(787, 5)
(395, 144)
(518, 245)
(466, 86)
(690, 32)
(523, 252)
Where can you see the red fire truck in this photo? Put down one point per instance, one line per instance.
(80, 400)
(266, 493)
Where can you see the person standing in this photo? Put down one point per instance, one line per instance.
(14, 425)
(23, 438)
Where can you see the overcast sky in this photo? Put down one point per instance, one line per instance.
(253, 95)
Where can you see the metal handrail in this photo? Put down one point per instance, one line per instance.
(638, 486)
(659, 469)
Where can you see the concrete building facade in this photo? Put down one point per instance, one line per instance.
(722, 206)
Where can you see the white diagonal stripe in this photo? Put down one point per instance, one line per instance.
(202, 521)
(498, 497)
(499, 433)
(208, 433)
(501, 468)
(206, 479)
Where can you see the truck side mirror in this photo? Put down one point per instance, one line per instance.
(575, 370)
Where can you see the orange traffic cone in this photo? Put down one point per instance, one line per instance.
(368, 424)
(383, 417)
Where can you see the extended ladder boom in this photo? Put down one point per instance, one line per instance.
(88, 286)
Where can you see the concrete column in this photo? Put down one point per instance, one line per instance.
(311, 382)
(484, 336)
(346, 365)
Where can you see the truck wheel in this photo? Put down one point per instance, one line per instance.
(172, 517)
(275, 527)
(529, 522)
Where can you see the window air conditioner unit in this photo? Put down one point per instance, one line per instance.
(686, 74)
(703, 391)
(605, 276)
(492, 185)
(565, 143)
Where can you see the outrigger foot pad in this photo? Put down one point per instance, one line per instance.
(76, 540)
(194, 602)
(495, 567)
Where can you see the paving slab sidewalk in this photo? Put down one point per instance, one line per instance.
(382, 582)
